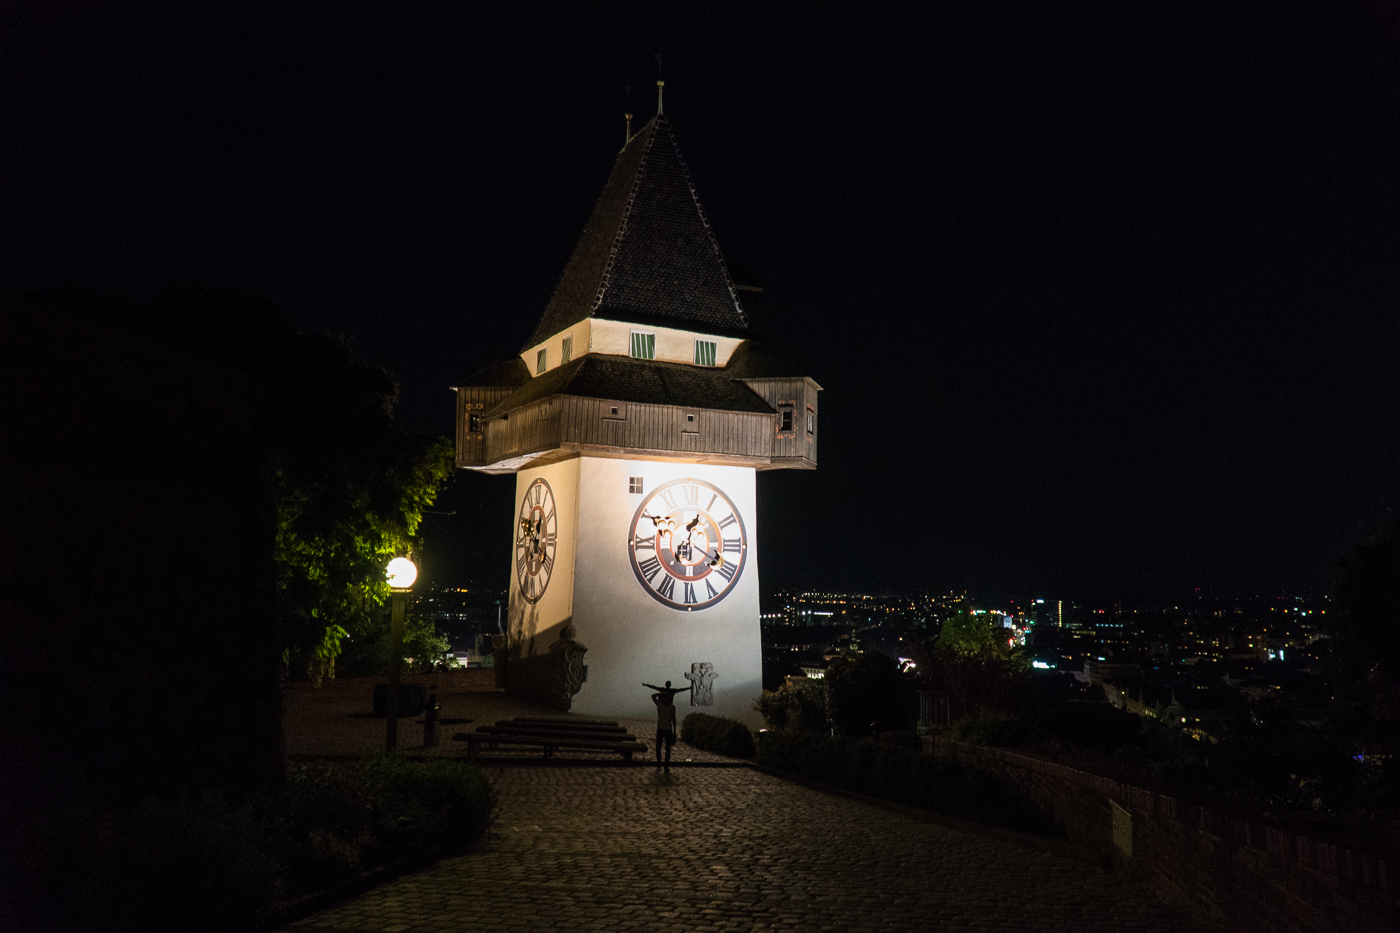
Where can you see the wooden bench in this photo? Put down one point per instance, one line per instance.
(553, 733)
(571, 728)
(549, 742)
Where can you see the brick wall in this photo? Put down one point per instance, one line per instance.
(1252, 877)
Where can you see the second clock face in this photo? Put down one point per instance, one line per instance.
(536, 537)
(687, 544)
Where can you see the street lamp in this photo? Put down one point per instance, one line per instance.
(401, 572)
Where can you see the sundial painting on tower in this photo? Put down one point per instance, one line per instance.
(536, 537)
(687, 544)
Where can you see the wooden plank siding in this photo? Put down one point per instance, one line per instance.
(564, 425)
(589, 421)
(795, 449)
(471, 447)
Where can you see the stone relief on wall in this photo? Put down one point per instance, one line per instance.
(702, 679)
(571, 672)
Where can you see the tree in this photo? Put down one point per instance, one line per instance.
(973, 666)
(868, 694)
(347, 488)
(350, 490)
(1365, 626)
(798, 706)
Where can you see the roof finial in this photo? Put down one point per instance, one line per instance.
(659, 83)
(628, 137)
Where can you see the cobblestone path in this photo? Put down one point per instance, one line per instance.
(626, 850)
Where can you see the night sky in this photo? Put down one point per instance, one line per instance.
(1102, 296)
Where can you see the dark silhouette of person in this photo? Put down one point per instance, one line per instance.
(669, 690)
(665, 722)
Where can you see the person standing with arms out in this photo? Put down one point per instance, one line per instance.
(665, 722)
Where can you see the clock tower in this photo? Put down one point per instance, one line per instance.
(634, 418)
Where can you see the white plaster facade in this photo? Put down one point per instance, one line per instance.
(594, 335)
(631, 637)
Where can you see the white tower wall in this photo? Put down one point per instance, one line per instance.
(631, 637)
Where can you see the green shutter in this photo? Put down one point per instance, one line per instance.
(568, 352)
(704, 353)
(539, 362)
(644, 346)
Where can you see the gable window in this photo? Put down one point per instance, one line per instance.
(539, 362)
(643, 345)
(785, 418)
(634, 485)
(704, 353)
(568, 352)
(473, 422)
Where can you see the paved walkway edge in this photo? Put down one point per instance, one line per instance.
(1064, 847)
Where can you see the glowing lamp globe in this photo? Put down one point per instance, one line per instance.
(402, 573)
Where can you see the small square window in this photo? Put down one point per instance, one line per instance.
(614, 409)
(539, 362)
(705, 353)
(643, 345)
(568, 352)
(634, 485)
(690, 418)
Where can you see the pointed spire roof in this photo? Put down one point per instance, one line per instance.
(648, 255)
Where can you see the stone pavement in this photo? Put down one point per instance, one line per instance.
(720, 848)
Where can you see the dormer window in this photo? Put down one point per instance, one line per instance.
(705, 353)
(568, 352)
(540, 364)
(643, 345)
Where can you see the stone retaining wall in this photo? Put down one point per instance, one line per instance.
(1251, 876)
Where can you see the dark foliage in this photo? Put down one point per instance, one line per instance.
(799, 706)
(717, 734)
(205, 864)
(1365, 625)
(868, 695)
(901, 775)
(973, 670)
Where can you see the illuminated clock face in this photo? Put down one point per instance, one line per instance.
(536, 537)
(687, 544)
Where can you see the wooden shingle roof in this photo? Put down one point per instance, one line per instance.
(645, 382)
(647, 255)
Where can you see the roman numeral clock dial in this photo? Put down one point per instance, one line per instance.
(687, 544)
(536, 537)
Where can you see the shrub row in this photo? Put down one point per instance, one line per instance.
(717, 734)
(207, 864)
(903, 776)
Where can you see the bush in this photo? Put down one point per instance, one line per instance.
(799, 706)
(717, 734)
(903, 776)
(204, 864)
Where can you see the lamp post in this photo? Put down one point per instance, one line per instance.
(402, 573)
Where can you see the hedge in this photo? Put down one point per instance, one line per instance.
(717, 734)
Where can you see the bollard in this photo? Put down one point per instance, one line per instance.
(430, 719)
